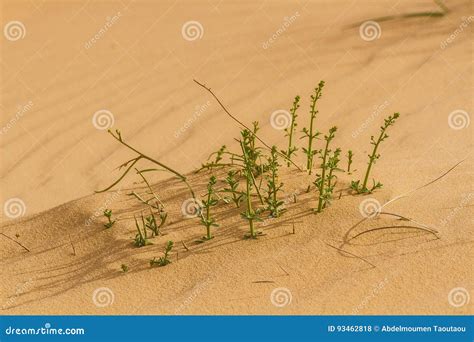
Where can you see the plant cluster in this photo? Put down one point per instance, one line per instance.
(164, 260)
(252, 175)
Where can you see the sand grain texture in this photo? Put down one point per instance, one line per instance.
(142, 71)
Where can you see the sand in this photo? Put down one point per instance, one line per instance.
(256, 56)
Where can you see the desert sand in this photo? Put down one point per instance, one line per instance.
(256, 56)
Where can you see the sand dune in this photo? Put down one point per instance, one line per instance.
(141, 71)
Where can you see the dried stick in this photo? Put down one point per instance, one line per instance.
(242, 124)
(9, 238)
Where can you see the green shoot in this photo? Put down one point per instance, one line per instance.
(150, 222)
(289, 131)
(218, 162)
(124, 268)
(273, 186)
(233, 184)
(211, 201)
(321, 180)
(130, 163)
(332, 164)
(108, 214)
(374, 156)
(164, 260)
(250, 214)
(311, 133)
(141, 238)
(349, 161)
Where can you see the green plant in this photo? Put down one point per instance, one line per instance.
(321, 180)
(233, 188)
(141, 238)
(349, 161)
(310, 132)
(374, 156)
(273, 186)
(150, 222)
(332, 166)
(124, 268)
(131, 163)
(164, 260)
(289, 131)
(211, 201)
(108, 214)
(250, 214)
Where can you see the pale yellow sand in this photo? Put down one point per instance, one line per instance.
(141, 70)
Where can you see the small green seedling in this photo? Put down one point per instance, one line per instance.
(141, 239)
(355, 185)
(273, 186)
(164, 260)
(350, 154)
(332, 164)
(124, 268)
(233, 188)
(289, 131)
(250, 214)
(310, 132)
(211, 201)
(108, 214)
(150, 222)
(322, 180)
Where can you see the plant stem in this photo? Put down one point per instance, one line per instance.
(323, 175)
(372, 157)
